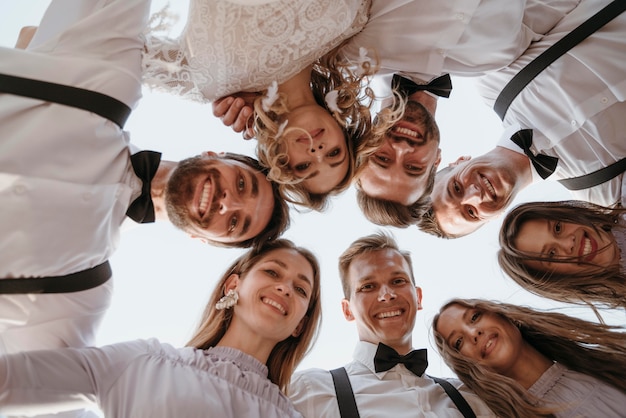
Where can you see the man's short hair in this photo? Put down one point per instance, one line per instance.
(387, 213)
(365, 245)
(279, 221)
(427, 222)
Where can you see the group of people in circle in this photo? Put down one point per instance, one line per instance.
(295, 75)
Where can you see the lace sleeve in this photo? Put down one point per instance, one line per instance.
(164, 64)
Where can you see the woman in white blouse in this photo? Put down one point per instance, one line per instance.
(261, 320)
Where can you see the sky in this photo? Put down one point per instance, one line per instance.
(163, 278)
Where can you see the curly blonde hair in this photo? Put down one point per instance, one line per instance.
(597, 350)
(354, 99)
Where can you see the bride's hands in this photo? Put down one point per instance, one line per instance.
(237, 112)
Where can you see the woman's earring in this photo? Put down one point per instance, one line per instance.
(228, 300)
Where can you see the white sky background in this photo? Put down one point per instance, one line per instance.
(163, 279)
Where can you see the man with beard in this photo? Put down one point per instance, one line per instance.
(569, 118)
(69, 177)
(406, 155)
(421, 40)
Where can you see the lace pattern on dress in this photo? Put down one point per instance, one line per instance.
(226, 48)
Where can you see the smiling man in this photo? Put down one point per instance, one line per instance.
(223, 199)
(573, 112)
(69, 179)
(394, 179)
(382, 299)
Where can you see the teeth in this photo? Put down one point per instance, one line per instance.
(489, 187)
(488, 344)
(587, 248)
(406, 131)
(389, 314)
(274, 304)
(204, 199)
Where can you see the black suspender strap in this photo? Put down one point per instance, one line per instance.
(75, 282)
(347, 403)
(597, 177)
(526, 74)
(456, 397)
(345, 395)
(98, 103)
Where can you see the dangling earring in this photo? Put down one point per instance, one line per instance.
(228, 300)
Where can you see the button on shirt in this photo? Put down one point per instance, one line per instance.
(395, 393)
(576, 106)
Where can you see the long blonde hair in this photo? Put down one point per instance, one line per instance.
(330, 72)
(288, 353)
(597, 350)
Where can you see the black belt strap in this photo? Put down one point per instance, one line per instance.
(528, 73)
(75, 282)
(347, 403)
(98, 103)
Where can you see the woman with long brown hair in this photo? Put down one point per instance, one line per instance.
(527, 363)
(260, 322)
(569, 251)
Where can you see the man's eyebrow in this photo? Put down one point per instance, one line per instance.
(246, 226)
(254, 185)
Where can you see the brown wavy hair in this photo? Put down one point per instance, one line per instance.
(605, 286)
(597, 350)
(288, 353)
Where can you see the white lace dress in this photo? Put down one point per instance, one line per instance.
(229, 46)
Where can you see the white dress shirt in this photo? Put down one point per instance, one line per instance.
(395, 393)
(65, 174)
(142, 379)
(576, 106)
(425, 38)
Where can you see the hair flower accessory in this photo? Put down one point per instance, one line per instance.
(331, 101)
(270, 96)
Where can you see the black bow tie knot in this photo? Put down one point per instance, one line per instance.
(145, 165)
(386, 357)
(544, 164)
(440, 86)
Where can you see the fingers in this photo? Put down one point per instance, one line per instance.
(234, 112)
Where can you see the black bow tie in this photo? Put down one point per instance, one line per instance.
(386, 357)
(544, 164)
(440, 86)
(145, 164)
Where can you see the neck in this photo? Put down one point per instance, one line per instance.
(402, 347)
(158, 186)
(247, 341)
(428, 101)
(519, 162)
(298, 89)
(529, 367)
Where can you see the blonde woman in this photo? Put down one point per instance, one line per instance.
(308, 112)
